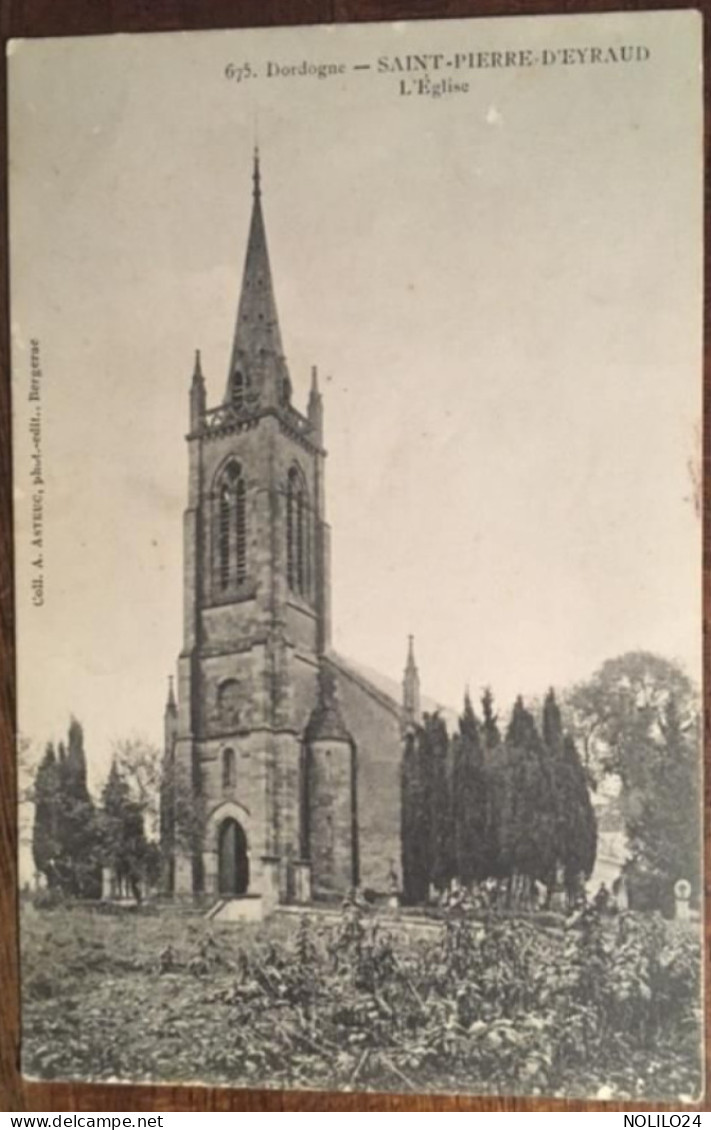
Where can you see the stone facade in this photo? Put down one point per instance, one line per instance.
(282, 762)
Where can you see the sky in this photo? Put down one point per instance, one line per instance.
(501, 289)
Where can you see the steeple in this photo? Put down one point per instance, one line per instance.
(170, 719)
(257, 354)
(411, 687)
(315, 408)
(197, 394)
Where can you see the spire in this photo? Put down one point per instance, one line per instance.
(170, 719)
(411, 686)
(197, 369)
(197, 394)
(257, 339)
(315, 408)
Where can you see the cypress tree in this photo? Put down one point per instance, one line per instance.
(552, 724)
(513, 796)
(415, 818)
(552, 732)
(442, 861)
(580, 845)
(469, 801)
(496, 773)
(78, 863)
(543, 807)
(575, 823)
(490, 726)
(529, 824)
(45, 831)
(75, 763)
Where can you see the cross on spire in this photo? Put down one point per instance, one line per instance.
(256, 176)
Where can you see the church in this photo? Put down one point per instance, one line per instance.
(282, 759)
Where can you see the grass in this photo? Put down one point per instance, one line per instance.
(95, 1005)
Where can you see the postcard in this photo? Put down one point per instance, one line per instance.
(356, 389)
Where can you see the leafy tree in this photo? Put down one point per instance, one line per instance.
(664, 822)
(639, 718)
(140, 763)
(619, 713)
(64, 835)
(124, 846)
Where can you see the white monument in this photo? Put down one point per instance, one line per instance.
(682, 895)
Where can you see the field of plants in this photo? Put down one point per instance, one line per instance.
(606, 1008)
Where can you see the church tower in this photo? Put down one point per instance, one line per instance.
(256, 610)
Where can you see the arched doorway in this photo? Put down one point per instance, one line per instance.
(233, 868)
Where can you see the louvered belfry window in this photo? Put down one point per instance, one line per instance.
(297, 534)
(238, 391)
(232, 527)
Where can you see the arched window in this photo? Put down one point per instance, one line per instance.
(229, 703)
(238, 391)
(298, 541)
(231, 527)
(229, 772)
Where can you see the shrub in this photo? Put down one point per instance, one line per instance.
(49, 898)
(498, 1005)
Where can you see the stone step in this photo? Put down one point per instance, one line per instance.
(247, 908)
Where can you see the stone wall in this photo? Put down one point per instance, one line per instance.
(375, 727)
(330, 818)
